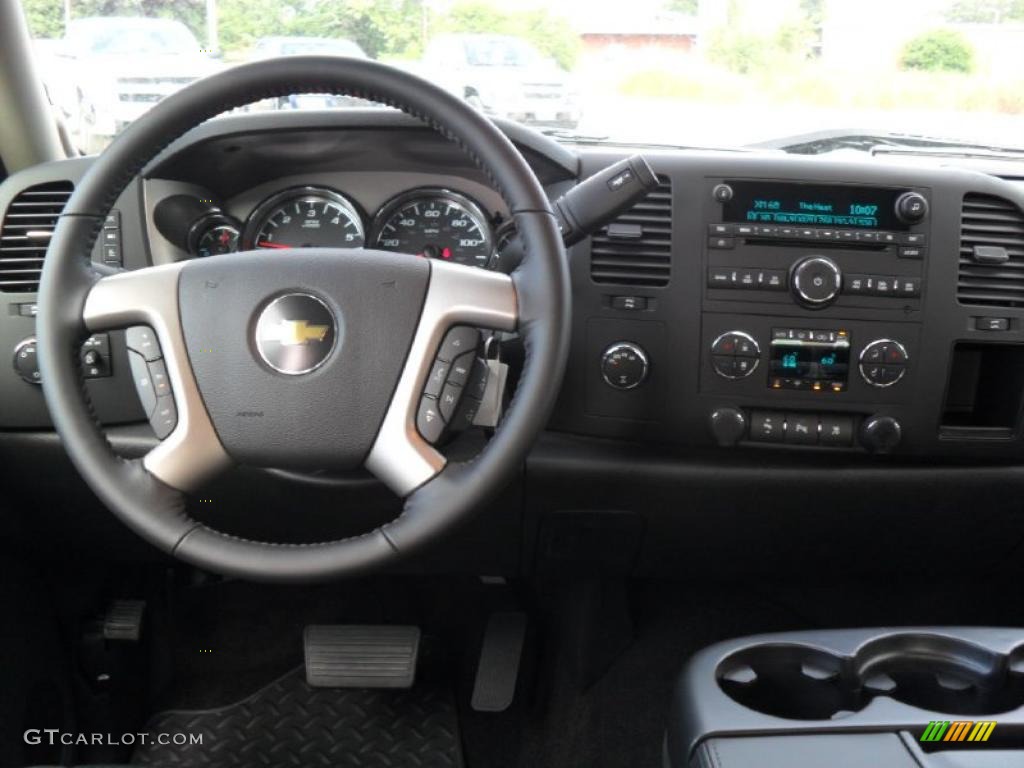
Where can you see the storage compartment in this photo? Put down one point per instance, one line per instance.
(984, 391)
(931, 672)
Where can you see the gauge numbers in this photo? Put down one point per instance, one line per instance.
(309, 217)
(437, 224)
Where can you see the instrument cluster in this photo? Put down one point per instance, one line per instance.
(432, 222)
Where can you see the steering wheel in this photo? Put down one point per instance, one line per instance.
(380, 318)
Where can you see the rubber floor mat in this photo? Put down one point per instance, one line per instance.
(289, 723)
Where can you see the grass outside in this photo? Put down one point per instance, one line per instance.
(818, 86)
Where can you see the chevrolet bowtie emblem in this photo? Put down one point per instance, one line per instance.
(293, 332)
(296, 333)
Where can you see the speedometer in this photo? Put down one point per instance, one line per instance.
(306, 217)
(437, 224)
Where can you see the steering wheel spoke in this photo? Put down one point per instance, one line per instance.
(456, 295)
(191, 453)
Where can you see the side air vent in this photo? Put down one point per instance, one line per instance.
(25, 235)
(991, 252)
(636, 248)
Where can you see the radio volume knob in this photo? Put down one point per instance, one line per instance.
(816, 281)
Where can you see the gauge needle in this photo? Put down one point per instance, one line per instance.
(268, 244)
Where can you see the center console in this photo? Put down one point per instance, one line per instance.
(783, 251)
(927, 697)
(806, 304)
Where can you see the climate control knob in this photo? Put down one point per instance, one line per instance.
(816, 281)
(624, 365)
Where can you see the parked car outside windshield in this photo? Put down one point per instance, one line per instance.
(713, 73)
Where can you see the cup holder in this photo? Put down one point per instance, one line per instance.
(931, 672)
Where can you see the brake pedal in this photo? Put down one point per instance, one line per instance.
(353, 656)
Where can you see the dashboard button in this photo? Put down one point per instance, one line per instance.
(721, 243)
(744, 366)
(629, 303)
(913, 238)
(428, 420)
(855, 284)
(722, 193)
(165, 417)
(747, 347)
(158, 375)
(142, 340)
(720, 229)
(459, 374)
(458, 340)
(745, 229)
(767, 427)
(774, 279)
(449, 400)
(436, 379)
(143, 382)
(836, 431)
(992, 323)
(720, 278)
(802, 428)
(909, 287)
(894, 354)
(724, 344)
(724, 365)
(887, 237)
(911, 252)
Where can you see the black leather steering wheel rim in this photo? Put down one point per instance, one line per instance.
(157, 511)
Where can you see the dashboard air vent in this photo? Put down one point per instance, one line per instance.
(636, 248)
(991, 252)
(25, 235)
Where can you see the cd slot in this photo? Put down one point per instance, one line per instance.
(790, 242)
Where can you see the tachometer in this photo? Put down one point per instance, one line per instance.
(307, 217)
(435, 223)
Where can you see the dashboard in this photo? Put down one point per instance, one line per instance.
(753, 301)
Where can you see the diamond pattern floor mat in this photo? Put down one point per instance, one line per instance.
(289, 723)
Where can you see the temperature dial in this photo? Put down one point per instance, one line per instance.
(624, 365)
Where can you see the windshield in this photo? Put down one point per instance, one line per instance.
(103, 37)
(810, 76)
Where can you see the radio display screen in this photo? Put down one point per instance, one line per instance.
(815, 205)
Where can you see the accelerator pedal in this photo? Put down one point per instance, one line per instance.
(500, 657)
(354, 656)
